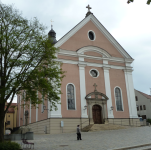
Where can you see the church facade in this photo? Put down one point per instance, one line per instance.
(98, 84)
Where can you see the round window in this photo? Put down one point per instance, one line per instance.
(91, 35)
(94, 73)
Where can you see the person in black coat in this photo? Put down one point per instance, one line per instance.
(78, 133)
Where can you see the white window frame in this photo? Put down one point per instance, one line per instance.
(93, 33)
(96, 71)
(74, 96)
(121, 99)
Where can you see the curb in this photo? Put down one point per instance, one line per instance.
(130, 147)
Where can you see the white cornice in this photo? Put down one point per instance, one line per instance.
(101, 28)
(95, 64)
(81, 65)
(112, 59)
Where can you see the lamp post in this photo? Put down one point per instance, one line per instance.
(112, 107)
(44, 107)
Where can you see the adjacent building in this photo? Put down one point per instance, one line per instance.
(11, 117)
(143, 104)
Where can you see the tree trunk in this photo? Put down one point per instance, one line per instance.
(2, 116)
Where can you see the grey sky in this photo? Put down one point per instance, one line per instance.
(129, 24)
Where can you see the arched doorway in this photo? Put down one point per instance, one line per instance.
(97, 115)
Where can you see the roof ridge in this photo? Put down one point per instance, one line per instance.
(146, 95)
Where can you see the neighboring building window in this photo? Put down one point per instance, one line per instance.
(118, 99)
(71, 97)
(140, 107)
(8, 122)
(144, 107)
(136, 98)
(137, 108)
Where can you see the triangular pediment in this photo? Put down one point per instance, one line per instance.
(77, 38)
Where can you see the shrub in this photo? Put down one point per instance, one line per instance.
(149, 121)
(9, 146)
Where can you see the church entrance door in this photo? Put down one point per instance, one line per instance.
(97, 117)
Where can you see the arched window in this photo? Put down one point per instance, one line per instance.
(71, 97)
(118, 97)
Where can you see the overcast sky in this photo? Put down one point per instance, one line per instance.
(130, 25)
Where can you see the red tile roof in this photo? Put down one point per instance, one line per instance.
(11, 108)
(147, 96)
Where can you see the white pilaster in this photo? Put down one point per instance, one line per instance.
(108, 91)
(82, 90)
(24, 114)
(130, 93)
(30, 112)
(19, 108)
(53, 113)
(37, 109)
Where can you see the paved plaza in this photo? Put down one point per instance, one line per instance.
(100, 140)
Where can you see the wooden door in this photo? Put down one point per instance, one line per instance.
(97, 117)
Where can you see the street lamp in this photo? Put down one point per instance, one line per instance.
(44, 107)
(112, 107)
(85, 107)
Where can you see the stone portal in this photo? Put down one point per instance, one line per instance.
(97, 104)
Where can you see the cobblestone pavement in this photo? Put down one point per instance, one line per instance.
(100, 140)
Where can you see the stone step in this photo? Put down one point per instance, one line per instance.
(87, 128)
(98, 127)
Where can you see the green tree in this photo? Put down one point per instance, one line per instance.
(148, 1)
(27, 62)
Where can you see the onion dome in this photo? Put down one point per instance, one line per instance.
(52, 35)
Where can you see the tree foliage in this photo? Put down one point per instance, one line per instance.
(27, 60)
(148, 1)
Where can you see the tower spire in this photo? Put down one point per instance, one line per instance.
(51, 24)
(52, 34)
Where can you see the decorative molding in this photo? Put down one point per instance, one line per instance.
(106, 68)
(90, 64)
(101, 28)
(128, 70)
(96, 71)
(56, 116)
(110, 37)
(81, 65)
(111, 59)
(105, 62)
(94, 49)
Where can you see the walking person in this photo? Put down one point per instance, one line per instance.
(78, 133)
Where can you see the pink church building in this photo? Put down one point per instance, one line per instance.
(98, 86)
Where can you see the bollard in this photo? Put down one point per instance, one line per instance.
(149, 124)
